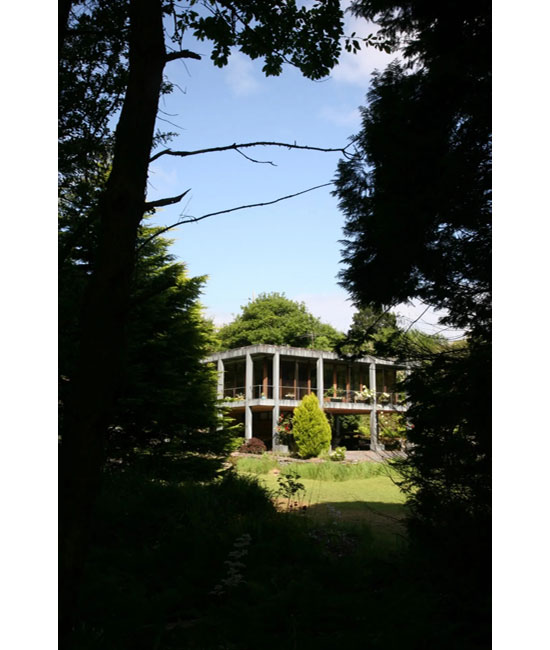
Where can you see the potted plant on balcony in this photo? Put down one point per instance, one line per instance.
(383, 398)
(335, 395)
(364, 395)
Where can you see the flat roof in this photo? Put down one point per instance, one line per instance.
(304, 353)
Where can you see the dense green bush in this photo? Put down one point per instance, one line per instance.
(338, 454)
(311, 429)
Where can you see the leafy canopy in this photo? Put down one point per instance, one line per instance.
(416, 196)
(272, 318)
(417, 202)
(376, 331)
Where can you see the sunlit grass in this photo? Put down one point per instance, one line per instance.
(362, 493)
(323, 471)
(258, 465)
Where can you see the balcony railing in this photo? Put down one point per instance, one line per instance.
(234, 394)
(260, 391)
(296, 393)
(340, 395)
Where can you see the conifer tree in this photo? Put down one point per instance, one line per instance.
(310, 428)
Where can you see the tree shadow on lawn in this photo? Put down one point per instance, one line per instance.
(385, 520)
(318, 580)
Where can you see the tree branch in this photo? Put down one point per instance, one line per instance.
(235, 147)
(182, 54)
(240, 207)
(151, 205)
(260, 162)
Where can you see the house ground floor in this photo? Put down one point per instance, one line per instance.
(264, 422)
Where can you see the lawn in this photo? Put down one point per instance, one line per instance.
(183, 557)
(363, 493)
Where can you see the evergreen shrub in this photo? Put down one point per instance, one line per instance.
(311, 429)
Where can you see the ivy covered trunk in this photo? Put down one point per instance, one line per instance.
(104, 316)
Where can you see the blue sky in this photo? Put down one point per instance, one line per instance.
(291, 247)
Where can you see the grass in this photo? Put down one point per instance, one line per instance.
(259, 465)
(361, 493)
(167, 569)
(319, 471)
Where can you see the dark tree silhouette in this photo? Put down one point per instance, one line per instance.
(417, 202)
(131, 53)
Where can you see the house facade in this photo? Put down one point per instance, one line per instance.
(258, 383)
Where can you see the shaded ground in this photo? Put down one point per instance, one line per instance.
(375, 501)
(202, 564)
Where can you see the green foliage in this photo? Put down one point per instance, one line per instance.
(273, 318)
(261, 465)
(92, 81)
(166, 391)
(354, 430)
(159, 549)
(392, 425)
(93, 69)
(280, 32)
(289, 486)
(338, 455)
(375, 331)
(328, 471)
(417, 195)
(325, 471)
(448, 471)
(311, 430)
(417, 202)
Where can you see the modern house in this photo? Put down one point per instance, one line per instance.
(258, 383)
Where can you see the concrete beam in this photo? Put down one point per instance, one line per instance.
(292, 352)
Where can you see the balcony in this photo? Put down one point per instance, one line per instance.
(337, 396)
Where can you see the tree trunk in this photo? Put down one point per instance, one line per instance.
(104, 314)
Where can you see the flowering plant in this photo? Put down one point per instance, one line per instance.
(284, 428)
(364, 395)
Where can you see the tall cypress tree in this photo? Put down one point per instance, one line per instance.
(310, 428)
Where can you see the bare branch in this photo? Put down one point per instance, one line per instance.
(162, 119)
(151, 205)
(260, 162)
(416, 319)
(240, 207)
(183, 54)
(235, 146)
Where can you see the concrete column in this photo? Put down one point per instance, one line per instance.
(220, 379)
(248, 396)
(276, 377)
(264, 377)
(320, 380)
(276, 399)
(220, 370)
(374, 444)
